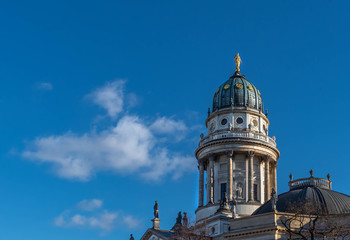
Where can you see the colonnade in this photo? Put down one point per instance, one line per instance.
(208, 165)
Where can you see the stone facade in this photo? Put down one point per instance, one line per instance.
(237, 164)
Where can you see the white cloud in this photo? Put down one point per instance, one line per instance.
(105, 220)
(168, 126)
(132, 145)
(128, 147)
(45, 86)
(90, 204)
(110, 97)
(78, 219)
(95, 218)
(59, 221)
(131, 222)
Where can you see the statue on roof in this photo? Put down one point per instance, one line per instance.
(156, 210)
(233, 204)
(237, 62)
(274, 199)
(185, 220)
(179, 218)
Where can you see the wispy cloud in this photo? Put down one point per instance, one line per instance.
(90, 204)
(104, 220)
(168, 126)
(131, 145)
(110, 97)
(131, 222)
(47, 86)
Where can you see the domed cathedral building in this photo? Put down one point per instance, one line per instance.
(238, 156)
(237, 164)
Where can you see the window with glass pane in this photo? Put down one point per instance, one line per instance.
(223, 190)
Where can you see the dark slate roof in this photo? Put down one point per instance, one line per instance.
(326, 200)
(164, 233)
(237, 91)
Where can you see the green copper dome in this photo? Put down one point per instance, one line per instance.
(237, 92)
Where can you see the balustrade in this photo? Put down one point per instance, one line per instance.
(320, 182)
(229, 134)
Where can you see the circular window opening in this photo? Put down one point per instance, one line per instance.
(223, 121)
(255, 123)
(239, 120)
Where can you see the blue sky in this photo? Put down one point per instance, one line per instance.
(103, 103)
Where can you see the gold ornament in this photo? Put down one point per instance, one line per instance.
(227, 86)
(251, 88)
(237, 62)
(238, 85)
(217, 90)
(259, 93)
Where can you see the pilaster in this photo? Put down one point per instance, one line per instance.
(251, 176)
(201, 184)
(210, 184)
(267, 177)
(229, 175)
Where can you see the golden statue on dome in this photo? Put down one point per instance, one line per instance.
(237, 62)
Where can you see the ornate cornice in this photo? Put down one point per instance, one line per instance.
(236, 140)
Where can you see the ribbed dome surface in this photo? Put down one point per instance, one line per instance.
(326, 200)
(237, 91)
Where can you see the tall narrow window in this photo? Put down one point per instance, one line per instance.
(255, 192)
(223, 190)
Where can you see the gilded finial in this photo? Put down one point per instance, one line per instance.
(237, 62)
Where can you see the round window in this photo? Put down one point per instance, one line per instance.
(223, 121)
(239, 120)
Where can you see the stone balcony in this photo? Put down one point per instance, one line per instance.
(244, 135)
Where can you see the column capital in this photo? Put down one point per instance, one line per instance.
(200, 164)
(250, 153)
(211, 156)
(267, 157)
(230, 154)
(274, 164)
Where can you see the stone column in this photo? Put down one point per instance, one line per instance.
(229, 176)
(201, 184)
(251, 176)
(275, 176)
(210, 184)
(267, 178)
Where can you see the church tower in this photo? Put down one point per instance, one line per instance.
(237, 159)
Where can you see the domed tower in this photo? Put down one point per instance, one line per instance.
(237, 157)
